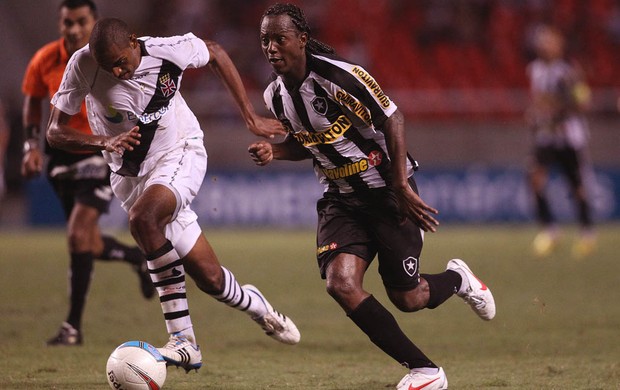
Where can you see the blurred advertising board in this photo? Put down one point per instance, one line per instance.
(287, 199)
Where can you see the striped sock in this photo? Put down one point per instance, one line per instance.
(168, 276)
(236, 297)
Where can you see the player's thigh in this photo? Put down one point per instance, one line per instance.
(182, 170)
(571, 166)
(399, 243)
(64, 190)
(91, 199)
(340, 230)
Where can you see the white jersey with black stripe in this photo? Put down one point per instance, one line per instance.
(150, 99)
(337, 114)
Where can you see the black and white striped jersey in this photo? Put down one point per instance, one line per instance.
(150, 99)
(337, 114)
(555, 115)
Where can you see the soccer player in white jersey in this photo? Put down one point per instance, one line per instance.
(559, 97)
(154, 146)
(338, 116)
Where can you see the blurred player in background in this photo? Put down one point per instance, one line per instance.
(154, 146)
(559, 98)
(81, 180)
(338, 116)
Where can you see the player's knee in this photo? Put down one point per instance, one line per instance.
(78, 240)
(340, 288)
(141, 222)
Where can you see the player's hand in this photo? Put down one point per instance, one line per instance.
(32, 163)
(261, 152)
(413, 207)
(124, 141)
(266, 127)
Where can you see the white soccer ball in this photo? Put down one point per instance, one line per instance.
(136, 365)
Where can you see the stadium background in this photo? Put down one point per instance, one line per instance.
(454, 67)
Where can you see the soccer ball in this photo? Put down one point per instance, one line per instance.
(136, 365)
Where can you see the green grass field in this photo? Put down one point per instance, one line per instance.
(557, 326)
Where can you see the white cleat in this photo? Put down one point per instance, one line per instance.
(275, 324)
(416, 380)
(473, 291)
(179, 351)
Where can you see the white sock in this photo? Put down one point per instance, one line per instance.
(425, 370)
(168, 276)
(189, 334)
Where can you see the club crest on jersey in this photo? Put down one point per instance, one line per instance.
(168, 87)
(410, 264)
(319, 105)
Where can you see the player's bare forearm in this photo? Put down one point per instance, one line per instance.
(290, 150)
(394, 129)
(32, 113)
(263, 152)
(62, 136)
(410, 204)
(225, 69)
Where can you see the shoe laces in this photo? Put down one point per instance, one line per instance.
(475, 300)
(271, 323)
(175, 342)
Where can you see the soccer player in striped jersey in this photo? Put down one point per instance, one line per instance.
(559, 97)
(337, 115)
(154, 145)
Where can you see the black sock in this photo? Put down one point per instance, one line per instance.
(115, 250)
(79, 280)
(585, 216)
(543, 210)
(383, 330)
(441, 287)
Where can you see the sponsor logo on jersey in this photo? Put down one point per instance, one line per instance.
(354, 105)
(113, 115)
(346, 170)
(373, 86)
(333, 132)
(168, 87)
(147, 118)
(325, 248)
(410, 264)
(319, 105)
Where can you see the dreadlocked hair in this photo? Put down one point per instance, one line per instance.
(298, 17)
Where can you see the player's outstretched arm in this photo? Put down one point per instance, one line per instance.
(226, 70)
(32, 162)
(62, 136)
(410, 204)
(263, 152)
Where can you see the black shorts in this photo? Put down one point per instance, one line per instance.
(367, 225)
(567, 159)
(94, 191)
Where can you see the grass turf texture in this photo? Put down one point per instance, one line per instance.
(556, 328)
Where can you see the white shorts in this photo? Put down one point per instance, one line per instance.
(182, 170)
